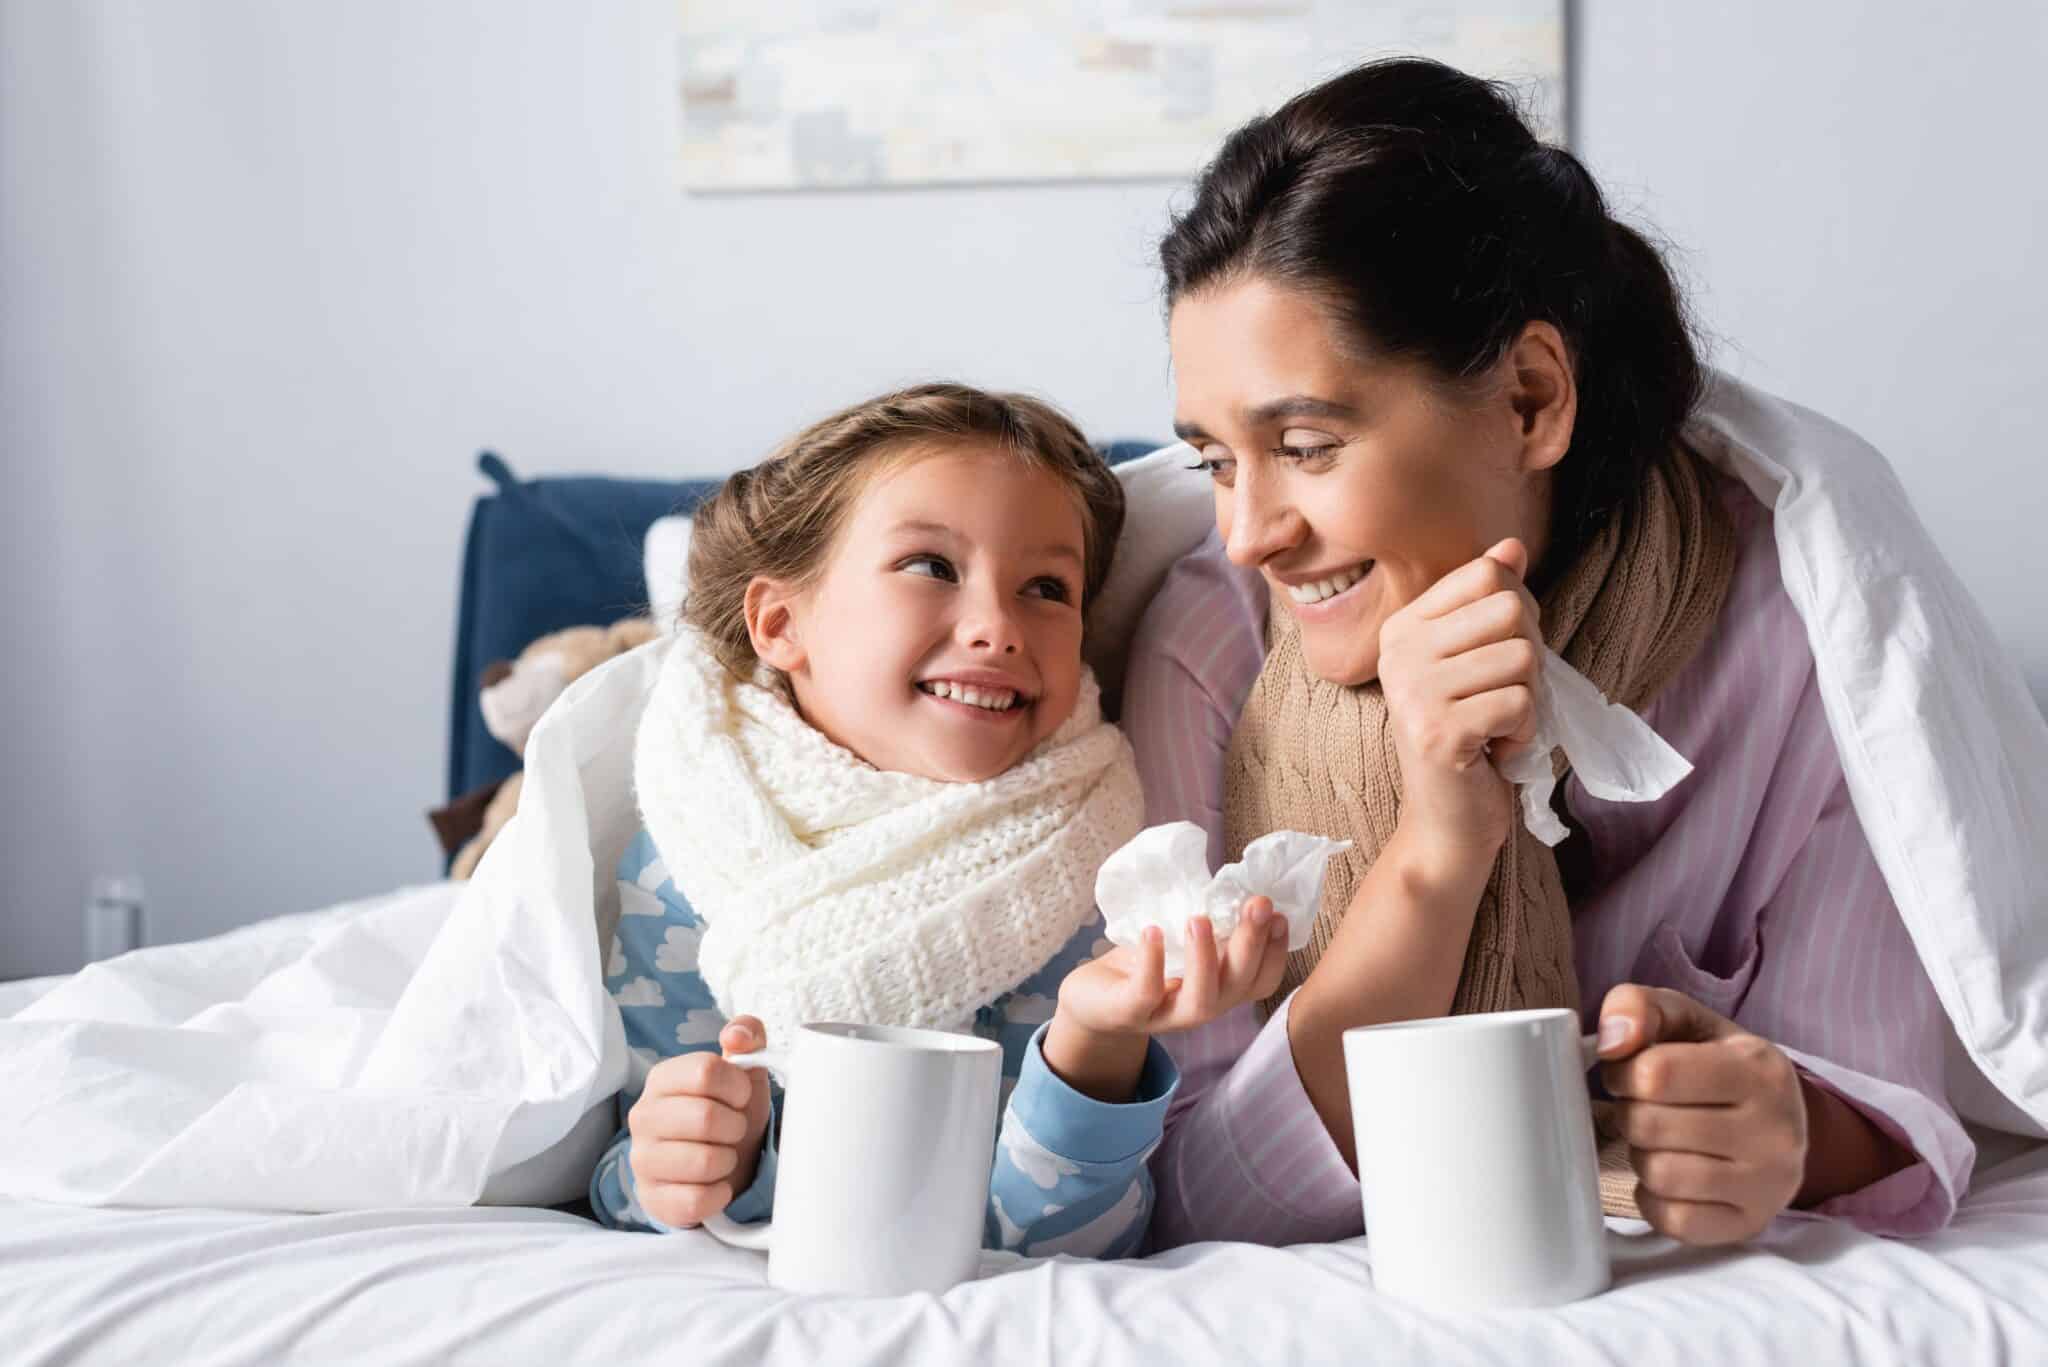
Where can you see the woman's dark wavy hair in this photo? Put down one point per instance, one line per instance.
(1416, 204)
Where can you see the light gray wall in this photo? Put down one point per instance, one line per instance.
(1857, 191)
(270, 274)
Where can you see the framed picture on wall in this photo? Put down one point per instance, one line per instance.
(805, 94)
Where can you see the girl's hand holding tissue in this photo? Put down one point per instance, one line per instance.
(1459, 667)
(1127, 990)
(1189, 946)
(1111, 1006)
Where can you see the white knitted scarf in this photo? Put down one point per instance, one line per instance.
(832, 890)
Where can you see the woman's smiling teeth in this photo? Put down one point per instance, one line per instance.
(1328, 588)
(989, 699)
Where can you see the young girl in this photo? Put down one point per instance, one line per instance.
(876, 786)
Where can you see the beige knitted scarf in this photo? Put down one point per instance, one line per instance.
(1314, 756)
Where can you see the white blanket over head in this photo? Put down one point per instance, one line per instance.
(456, 1044)
(1943, 748)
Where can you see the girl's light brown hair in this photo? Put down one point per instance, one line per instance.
(780, 518)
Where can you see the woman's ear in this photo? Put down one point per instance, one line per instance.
(771, 609)
(1543, 393)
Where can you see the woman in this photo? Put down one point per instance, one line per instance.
(1440, 391)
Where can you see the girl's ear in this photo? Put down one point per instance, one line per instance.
(770, 606)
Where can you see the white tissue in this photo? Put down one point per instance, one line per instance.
(1615, 753)
(1161, 878)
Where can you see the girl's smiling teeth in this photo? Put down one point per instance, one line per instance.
(986, 698)
(1321, 589)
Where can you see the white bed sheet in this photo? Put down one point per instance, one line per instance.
(16, 993)
(516, 1284)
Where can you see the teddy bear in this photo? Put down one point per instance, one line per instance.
(514, 695)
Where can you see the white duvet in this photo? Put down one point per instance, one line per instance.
(455, 1045)
(208, 1288)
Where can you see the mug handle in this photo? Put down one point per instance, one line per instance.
(720, 1226)
(1589, 1052)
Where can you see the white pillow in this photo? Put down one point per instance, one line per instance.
(1167, 512)
(665, 560)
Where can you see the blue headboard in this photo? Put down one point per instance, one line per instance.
(544, 554)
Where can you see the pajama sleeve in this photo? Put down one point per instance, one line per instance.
(1069, 1174)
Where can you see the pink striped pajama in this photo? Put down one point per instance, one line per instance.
(1749, 887)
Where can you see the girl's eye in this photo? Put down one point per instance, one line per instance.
(1050, 589)
(931, 567)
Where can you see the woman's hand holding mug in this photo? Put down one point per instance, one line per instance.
(1715, 1117)
(1459, 667)
(698, 1128)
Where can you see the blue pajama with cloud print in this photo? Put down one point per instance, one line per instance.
(1069, 1173)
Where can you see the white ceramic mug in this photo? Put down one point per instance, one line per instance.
(882, 1162)
(1476, 1158)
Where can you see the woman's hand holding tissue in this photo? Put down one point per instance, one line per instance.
(1479, 706)
(698, 1127)
(1459, 667)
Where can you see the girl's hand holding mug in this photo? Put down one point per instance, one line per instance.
(698, 1128)
(1459, 667)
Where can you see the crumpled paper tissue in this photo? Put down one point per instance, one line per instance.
(1615, 753)
(1161, 878)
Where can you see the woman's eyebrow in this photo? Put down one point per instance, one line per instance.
(1297, 406)
(1292, 406)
